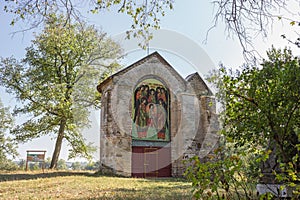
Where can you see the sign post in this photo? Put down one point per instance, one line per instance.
(36, 156)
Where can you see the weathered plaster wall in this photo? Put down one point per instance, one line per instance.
(193, 118)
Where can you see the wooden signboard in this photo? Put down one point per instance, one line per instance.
(36, 156)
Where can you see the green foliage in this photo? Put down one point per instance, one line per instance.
(245, 19)
(8, 165)
(92, 166)
(56, 82)
(22, 164)
(261, 104)
(290, 175)
(61, 165)
(261, 120)
(224, 174)
(76, 166)
(47, 162)
(34, 166)
(7, 145)
(145, 15)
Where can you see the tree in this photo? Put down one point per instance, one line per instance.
(62, 165)
(262, 113)
(92, 166)
(7, 145)
(260, 117)
(262, 104)
(76, 166)
(225, 174)
(35, 166)
(145, 15)
(250, 19)
(244, 19)
(56, 80)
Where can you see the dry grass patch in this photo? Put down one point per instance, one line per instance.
(84, 185)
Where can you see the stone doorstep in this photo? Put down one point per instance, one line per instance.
(274, 189)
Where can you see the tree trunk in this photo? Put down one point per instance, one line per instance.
(58, 144)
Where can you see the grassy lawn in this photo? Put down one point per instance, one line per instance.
(85, 185)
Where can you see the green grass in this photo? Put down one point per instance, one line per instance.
(84, 185)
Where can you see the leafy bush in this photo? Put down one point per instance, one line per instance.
(223, 175)
(261, 119)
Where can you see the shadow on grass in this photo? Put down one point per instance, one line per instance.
(35, 175)
(52, 174)
(150, 188)
(149, 193)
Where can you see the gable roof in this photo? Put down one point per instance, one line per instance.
(196, 77)
(139, 62)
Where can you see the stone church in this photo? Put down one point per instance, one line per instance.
(152, 119)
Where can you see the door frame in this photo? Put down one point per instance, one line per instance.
(162, 165)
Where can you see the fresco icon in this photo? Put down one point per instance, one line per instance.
(151, 111)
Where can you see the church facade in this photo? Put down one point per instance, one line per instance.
(152, 119)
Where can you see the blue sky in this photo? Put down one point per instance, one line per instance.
(190, 20)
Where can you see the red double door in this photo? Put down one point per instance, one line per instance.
(151, 162)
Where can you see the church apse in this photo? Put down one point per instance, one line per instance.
(151, 111)
(152, 119)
